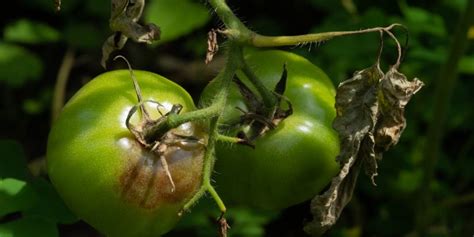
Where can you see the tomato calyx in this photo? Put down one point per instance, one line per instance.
(153, 134)
(259, 117)
(147, 133)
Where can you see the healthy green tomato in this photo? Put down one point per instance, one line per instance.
(108, 178)
(294, 161)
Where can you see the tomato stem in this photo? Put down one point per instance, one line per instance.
(216, 198)
(225, 80)
(269, 99)
(61, 83)
(238, 32)
(274, 41)
(174, 120)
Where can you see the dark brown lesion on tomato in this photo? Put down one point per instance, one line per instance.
(144, 181)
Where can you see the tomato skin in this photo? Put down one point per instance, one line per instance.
(103, 174)
(293, 162)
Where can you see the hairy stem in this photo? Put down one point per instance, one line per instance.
(273, 41)
(224, 79)
(207, 168)
(443, 91)
(237, 30)
(174, 120)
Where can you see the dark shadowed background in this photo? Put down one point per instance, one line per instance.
(35, 41)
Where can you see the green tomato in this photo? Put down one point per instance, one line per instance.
(294, 161)
(104, 174)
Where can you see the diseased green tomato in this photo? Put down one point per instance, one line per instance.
(294, 161)
(105, 175)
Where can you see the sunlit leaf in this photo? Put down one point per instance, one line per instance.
(466, 65)
(32, 106)
(436, 55)
(18, 65)
(15, 195)
(28, 227)
(420, 20)
(470, 33)
(176, 17)
(32, 32)
(408, 181)
(38, 103)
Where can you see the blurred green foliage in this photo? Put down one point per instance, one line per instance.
(176, 17)
(35, 38)
(39, 207)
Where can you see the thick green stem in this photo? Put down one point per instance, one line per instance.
(174, 120)
(224, 79)
(215, 109)
(236, 30)
(216, 198)
(207, 167)
(443, 91)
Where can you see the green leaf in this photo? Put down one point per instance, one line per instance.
(408, 181)
(18, 65)
(458, 5)
(420, 20)
(49, 205)
(12, 161)
(38, 103)
(434, 55)
(466, 65)
(176, 17)
(15, 195)
(28, 227)
(31, 32)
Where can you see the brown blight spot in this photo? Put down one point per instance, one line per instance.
(144, 181)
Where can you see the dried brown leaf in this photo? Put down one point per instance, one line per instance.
(327, 208)
(394, 93)
(369, 119)
(123, 22)
(356, 110)
(212, 45)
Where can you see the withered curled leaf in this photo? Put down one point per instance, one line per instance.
(212, 45)
(369, 119)
(123, 22)
(394, 93)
